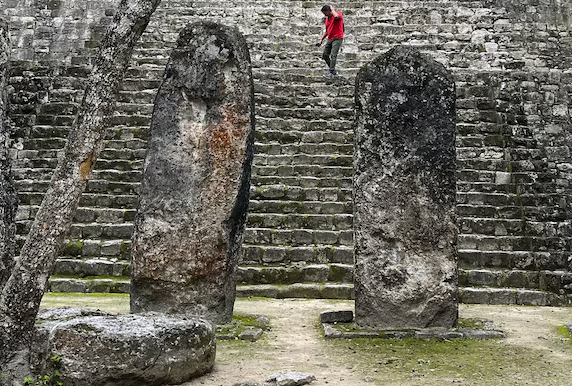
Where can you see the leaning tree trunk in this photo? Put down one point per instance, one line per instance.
(22, 293)
(8, 201)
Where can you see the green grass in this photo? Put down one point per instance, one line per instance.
(563, 331)
(114, 303)
(434, 362)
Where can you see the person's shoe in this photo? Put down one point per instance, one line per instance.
(331, 74)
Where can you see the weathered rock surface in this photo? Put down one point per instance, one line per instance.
(126, 350)
(337, 317)
(404, 193)
(195, 187)
(8, 199)
(291, 379)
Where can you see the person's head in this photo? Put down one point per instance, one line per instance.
(327, 10)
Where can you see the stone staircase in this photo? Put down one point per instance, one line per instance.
(515, 235)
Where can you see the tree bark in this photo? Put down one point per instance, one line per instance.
(21, 296)
(8, 200)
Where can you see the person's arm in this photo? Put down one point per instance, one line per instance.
(334, 13)
(323, 37)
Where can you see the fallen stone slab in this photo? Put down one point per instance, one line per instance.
(252, 334)
(291, 379)
(337, 317)
(122, 350)
(479, 330)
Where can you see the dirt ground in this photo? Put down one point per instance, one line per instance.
(294, 344)
(534, 352)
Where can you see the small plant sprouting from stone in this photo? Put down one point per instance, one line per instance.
(52, 379)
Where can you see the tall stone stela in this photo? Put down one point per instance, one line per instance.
(404, 193)
(195, 188)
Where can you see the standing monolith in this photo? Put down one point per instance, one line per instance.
(195, 188)
(404, 193)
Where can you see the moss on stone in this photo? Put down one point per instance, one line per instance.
(73, 248)
(241, 323)
(337, 274)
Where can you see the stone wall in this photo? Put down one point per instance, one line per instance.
(511, 61)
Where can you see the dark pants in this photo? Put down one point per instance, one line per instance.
(330, 54)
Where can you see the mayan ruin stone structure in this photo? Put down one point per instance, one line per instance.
(196, 178)
(404, 193)
(510, 60)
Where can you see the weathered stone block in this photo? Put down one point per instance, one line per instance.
(195, 188)
(102, 349)
(404, 189)
(337, 317)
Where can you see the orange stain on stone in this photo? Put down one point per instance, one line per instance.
(85, 167)
(222, 141)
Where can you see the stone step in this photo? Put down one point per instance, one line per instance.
(91, 267)
(113, 175)
(300, 207)
(490, 187)
(298, 290)
(31, 200)
(60, 133)
(304, 113)
(501, 165)
(135, 120)
(323, 90)
(297, 193)
(513, 243)
(298, 237)
(304, 160)
(493, 177)
(559, 282)
(114, 154)
(44, 143)
(269, 7)
(526, 260)
(475, 266)
(86, 214)
(276, 255)
(530, 213)
(143, 96)
(303, 170)
(103, 186)
(89, 285)
(508, 199)
(334, 222)
(262, 149)
(312, 60)
(297, 74)
(468, 295)
(510, 227)
(302, 181)
(297, 124)
(342, 140)
(280, 100)
(512, 296)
